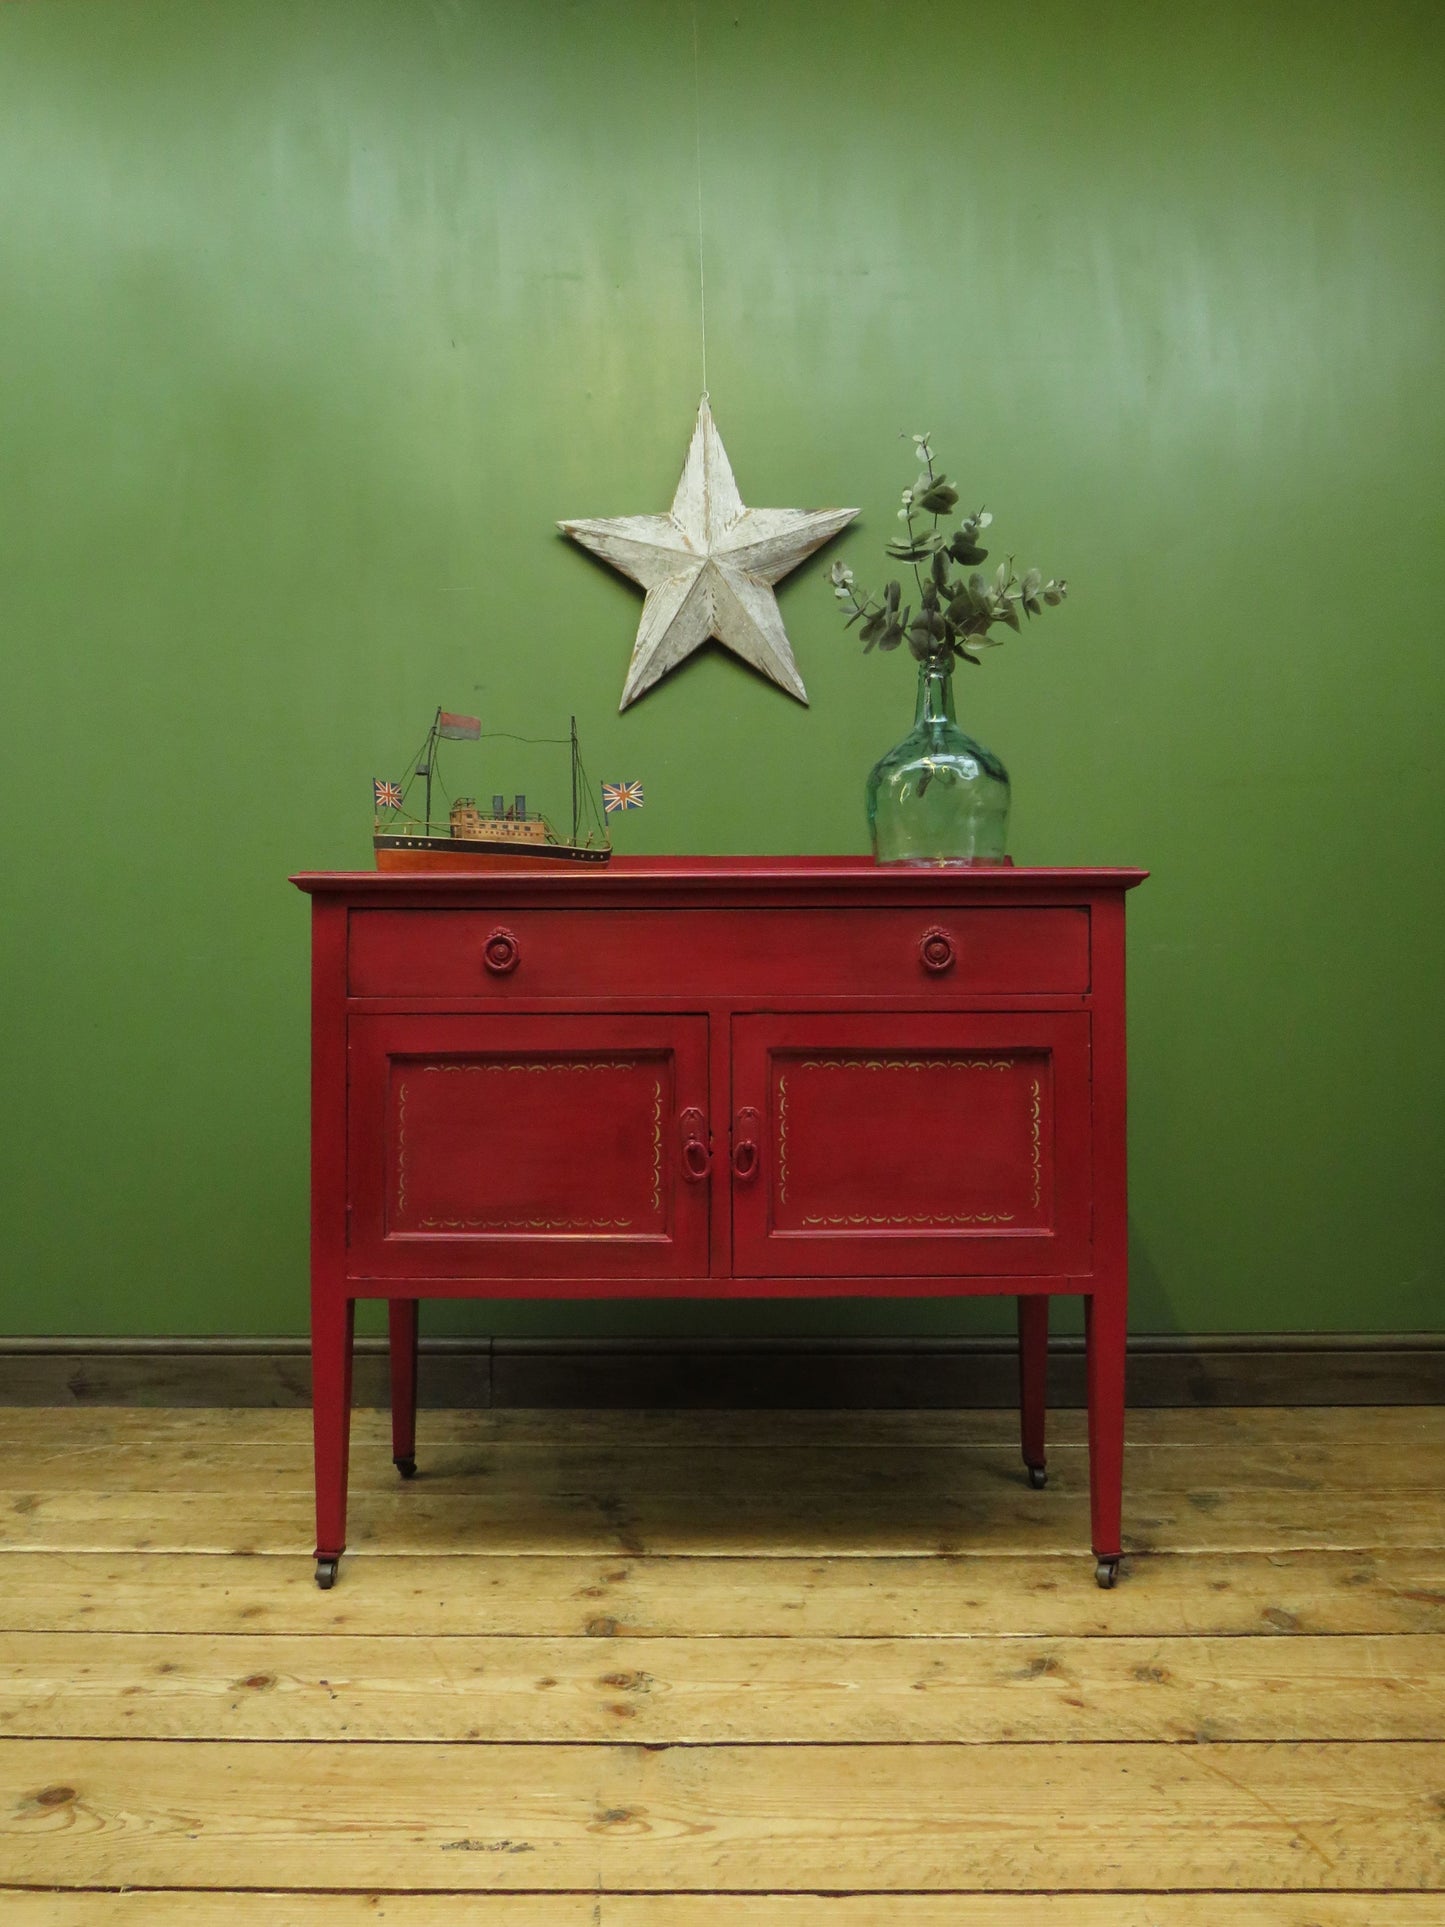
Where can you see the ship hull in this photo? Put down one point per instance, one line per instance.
(431, 853)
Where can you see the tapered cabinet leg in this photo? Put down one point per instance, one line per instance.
(402, 1319)
(1033, 1383)
(1105, 1339)
(333, 1324)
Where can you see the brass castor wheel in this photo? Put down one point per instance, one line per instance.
(406, 1467)
(326, 1573)
(1038, 1477)
(1106, 1571)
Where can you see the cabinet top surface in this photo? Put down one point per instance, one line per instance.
(764, 876)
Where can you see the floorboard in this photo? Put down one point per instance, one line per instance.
(149, 1908)
(690, 1670)
(925, 1596)
(967, 1691)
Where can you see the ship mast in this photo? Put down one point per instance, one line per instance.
(574, 779)
(430, 753)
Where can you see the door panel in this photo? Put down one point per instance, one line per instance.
(890, 1145)
(553, 1147)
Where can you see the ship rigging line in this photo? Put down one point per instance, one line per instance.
(506, 736)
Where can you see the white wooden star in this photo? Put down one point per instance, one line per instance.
(708, 567)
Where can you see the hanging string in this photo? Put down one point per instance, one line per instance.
(697, 128)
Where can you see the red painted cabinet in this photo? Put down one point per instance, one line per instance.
(717, 1077)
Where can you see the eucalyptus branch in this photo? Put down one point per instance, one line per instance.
(955, 613)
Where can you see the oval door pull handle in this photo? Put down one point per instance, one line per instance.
(936, 950)
(745, 1145)
(501, 953)
(696, 1152)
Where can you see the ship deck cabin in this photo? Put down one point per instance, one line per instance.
(515, 824)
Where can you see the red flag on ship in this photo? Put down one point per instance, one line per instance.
(460, 729)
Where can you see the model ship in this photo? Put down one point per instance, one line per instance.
(473, 838)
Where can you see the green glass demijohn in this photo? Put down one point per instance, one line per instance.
(938, 796)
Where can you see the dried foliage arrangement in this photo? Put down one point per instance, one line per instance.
(955, 611)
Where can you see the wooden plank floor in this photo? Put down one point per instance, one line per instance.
(692, 1670)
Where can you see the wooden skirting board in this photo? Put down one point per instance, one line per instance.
(1285, 1368)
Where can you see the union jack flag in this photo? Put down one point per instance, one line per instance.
(388, 795)
(621, 796)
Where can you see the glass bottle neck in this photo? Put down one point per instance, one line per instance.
(935, 694)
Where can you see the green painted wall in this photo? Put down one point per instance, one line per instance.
(317, 313)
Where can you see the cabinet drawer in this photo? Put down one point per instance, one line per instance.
(516, 956)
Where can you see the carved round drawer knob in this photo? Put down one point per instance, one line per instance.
(501, 953)
(936, 950)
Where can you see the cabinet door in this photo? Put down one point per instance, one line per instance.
(893, 1145)
(528, 1147)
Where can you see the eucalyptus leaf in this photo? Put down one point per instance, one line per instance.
(955, 613)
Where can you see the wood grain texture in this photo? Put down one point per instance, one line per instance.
(726, 1736)
(604, 1598)
(805, 1485)
(1269, 1370)
(1005, 1818)
(706, 1691)
(738, 1503)
(1162, 1468)
(153, 1909)
(1280, 1438)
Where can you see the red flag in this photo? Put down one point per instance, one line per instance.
(461, 729)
